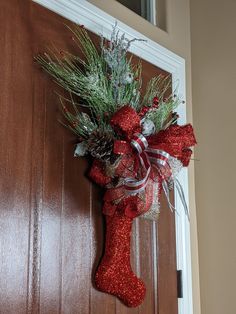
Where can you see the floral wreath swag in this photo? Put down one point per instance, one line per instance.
(137, 146)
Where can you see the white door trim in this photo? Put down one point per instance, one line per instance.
(97, 21)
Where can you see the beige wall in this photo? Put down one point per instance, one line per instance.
(177, 39)
(213, 25)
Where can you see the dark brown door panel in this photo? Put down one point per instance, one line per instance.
(51, 226)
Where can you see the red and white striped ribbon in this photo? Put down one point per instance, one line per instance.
(160, 159)
(146, 156)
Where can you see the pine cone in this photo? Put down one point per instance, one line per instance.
(100, 146)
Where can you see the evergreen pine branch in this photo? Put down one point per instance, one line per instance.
(89, 86)
(78, 122)
(156, 87)
(104, 80)
(85, 44)
(161, 116)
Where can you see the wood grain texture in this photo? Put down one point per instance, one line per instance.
(51, 226)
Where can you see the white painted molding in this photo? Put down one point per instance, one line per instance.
(99, 22)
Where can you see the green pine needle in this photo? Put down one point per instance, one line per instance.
(104, 80)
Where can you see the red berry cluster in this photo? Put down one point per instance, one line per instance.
(145, 109)
(155, 102)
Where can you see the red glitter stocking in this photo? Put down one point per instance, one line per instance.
(114, 274)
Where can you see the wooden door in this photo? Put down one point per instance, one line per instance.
(51, 226)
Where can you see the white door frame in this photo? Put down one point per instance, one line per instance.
(99, 22)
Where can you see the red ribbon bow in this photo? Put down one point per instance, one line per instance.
(175, 140)
(156, 149)
(147, 156)
(153, 151)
